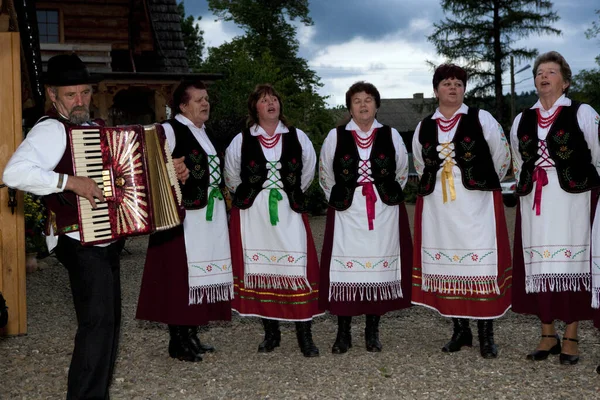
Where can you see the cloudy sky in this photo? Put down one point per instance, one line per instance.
(385, 42)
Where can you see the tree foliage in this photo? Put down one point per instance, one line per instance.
(193, 39)
(481, 36)
(266, 53)
(586, 84)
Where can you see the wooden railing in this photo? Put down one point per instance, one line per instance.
(95, 56)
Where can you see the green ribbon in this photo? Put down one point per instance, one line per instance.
(214, 193)
(274, 197)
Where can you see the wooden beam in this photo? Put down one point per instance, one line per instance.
(12, 227)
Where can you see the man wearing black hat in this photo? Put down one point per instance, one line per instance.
(43, 165)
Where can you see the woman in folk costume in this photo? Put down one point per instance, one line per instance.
(188, 279)
(556, 156)
(269, 165)
(367, 252)
(462, 251)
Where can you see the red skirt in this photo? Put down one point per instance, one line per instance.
(548, 306)
(164, 294)
(469, 305)
(280, 304)
(360, 307)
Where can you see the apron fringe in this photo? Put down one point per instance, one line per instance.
(462, 285)
(557, 283)
(344, 291)
(255, 281)
(212, 293)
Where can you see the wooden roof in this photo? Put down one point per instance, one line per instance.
(405, 114)
(166, 27)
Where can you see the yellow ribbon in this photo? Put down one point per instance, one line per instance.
(447, 176)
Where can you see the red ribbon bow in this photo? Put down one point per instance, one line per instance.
(369, 193)
(541, 179)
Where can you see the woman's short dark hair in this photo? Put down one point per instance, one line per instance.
(555, 57)
(259, 92)
(449, 71)
(181, 94)
(362, 86)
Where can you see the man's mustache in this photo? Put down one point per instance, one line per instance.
(80, 108)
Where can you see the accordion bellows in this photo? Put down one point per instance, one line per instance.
(133, 167)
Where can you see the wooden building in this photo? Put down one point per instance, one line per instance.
(136, 45)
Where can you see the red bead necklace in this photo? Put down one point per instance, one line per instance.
(546, 122)
(271, 142)
(446, 125)
(366, 142)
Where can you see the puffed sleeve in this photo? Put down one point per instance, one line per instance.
(309, 160)
(417, 151)
(517, 161)
(31, 166)
(589, 123)
(326, 175)
(401, 158)
(233, 159)
(499, 147)
(170, 135)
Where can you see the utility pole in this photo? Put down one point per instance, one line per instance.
(512, 87)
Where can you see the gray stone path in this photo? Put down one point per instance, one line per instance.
(411, 365)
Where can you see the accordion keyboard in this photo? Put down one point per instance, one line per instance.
(87, 161)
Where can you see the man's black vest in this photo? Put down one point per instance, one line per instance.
(64, 204)
(472, 154)
(383, 169)
(195, 191)
(566, 146)
(254, 170)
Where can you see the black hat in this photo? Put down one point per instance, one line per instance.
(68, 70)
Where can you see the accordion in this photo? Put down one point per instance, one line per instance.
(133, 167)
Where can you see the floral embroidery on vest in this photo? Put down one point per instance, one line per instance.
(347, 173)
(200, 193)
(467, 144)
(562, 138)
(470, 179)
(382, 161)
(429, 161)
(573, 184)
(253, 167)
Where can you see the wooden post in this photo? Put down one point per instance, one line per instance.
(12, 226)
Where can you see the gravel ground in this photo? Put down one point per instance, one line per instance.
(411, 365)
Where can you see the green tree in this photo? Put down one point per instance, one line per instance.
(586, 84)
(269, 35)
(481, 35)
(193, 39)
(267, 26)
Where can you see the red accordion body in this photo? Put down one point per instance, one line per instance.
(133, 167)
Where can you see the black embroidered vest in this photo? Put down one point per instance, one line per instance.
(566, 146)
(254, 170)
(472, 154)
(195, 191)
(383, 169)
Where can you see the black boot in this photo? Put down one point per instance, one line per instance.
(461, 336)
(305, 340)
(343, 340)
(180, 346)
(372, 333)
(487, 347)
(272, 336)
(197, 346)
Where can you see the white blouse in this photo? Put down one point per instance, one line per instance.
(326, 174)
(233, 156)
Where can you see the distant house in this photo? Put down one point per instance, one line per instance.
(405, 114)
(137, 45)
